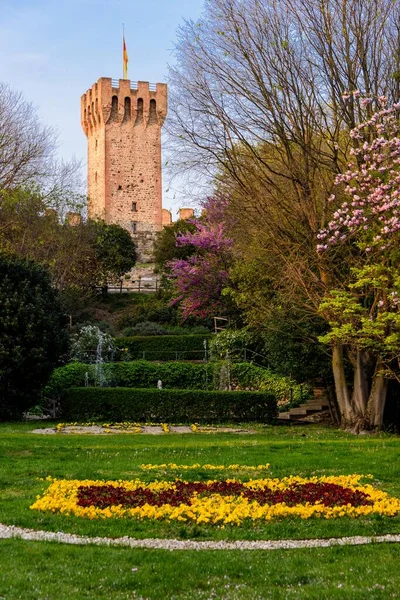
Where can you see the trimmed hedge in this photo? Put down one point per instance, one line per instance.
(247, 375)
(169, 347)
(144, 374)
(179, 406)
(137, 374)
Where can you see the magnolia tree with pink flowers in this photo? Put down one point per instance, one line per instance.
(364, 314)
(199, 279)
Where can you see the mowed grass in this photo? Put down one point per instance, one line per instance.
(26, 459)
(33, 570)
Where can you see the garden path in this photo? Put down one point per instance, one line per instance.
(10, 531)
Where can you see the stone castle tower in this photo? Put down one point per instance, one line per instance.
(122, 121)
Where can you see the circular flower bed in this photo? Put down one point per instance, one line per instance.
(218, 502)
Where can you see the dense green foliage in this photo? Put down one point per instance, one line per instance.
(114, 249)
(208, 376)
(137, 374)
(172, 347)
(155, 308)
(249, 376)
(166, 249)
(152, 328)
(291, 347)
(32, 333)
(145, 328)
(177, 406)
(35, 227)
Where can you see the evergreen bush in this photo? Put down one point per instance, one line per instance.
(171, 347)
(188, 376)
(176, 406)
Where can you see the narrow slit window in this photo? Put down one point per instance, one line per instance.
(139, 116)
(114, 108)
(133, 226)
(134, 206)
(127, 110)
(153, 112)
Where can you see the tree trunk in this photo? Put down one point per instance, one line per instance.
(360, 389)
(341, 388)
(377, 398)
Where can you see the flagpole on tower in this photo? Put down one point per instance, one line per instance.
(125, 59)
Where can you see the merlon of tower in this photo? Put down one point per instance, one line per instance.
(121, 101)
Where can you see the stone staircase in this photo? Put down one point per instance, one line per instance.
(303, 413)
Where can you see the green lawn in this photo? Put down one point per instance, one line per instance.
(33, 571)
(90, 572)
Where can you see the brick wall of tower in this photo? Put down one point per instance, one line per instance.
(123, 127)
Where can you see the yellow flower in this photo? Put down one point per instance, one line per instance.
(62, 497)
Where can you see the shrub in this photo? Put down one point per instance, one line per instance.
(179, 406)
(246, 375)
(33, 336)
(195, 330)
(144, 374)
(148, 308)
(147, 328)
(229, 343)
(137, 374)
(171, 347)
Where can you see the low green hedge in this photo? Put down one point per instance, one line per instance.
(137, 374)
(245, 375)
(169, 347)
(209, 376)
(172, 406)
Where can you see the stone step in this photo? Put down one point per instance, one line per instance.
(285, 416)
(316, 405)
(298, 411)
(315, 409)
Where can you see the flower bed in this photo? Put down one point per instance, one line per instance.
(218, 502)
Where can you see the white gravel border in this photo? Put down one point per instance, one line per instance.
(10, 531)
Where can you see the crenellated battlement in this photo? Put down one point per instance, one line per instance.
(122, 121)
(121, 101)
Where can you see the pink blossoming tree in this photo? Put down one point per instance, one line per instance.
(199, 279)
(364, 313)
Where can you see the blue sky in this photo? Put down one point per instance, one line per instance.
(53, 51)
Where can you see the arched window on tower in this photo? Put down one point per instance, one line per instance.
(153, 112)
(127, 110)
(139, 116)
(114, 109)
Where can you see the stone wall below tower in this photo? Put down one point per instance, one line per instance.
(144, 242)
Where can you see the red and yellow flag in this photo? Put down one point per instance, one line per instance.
(125, 58)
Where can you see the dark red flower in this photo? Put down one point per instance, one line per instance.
(329, 494)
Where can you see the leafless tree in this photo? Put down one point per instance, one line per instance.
(28, 147)
(257, 99)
